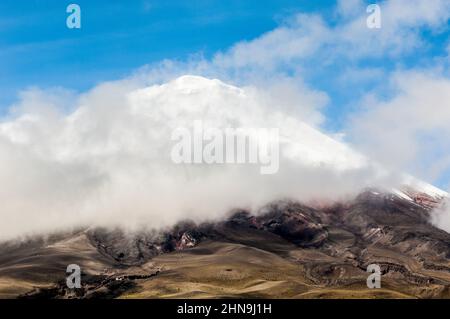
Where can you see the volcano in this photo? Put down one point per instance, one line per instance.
(292, 245)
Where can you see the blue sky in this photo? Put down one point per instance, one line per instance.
(349, 65)
(36, 47)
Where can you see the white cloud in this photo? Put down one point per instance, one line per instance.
(301, 37)
(410, 131)
(404, 129)
(108, 161)
(103, 159)
(308, 36)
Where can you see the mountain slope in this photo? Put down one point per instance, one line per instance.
(288, 250)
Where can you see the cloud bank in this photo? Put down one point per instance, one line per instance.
(103, 157)
(107, 162)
